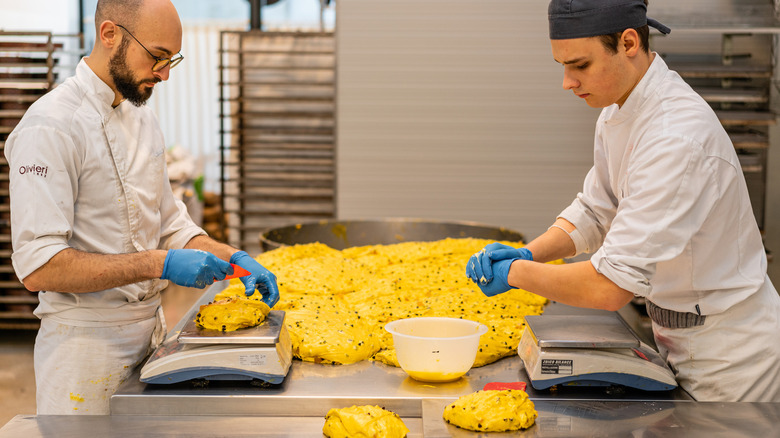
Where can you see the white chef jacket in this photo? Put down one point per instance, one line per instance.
(666, 210)
(665, 206)
(91, 177)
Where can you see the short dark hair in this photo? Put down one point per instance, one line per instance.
(611, 41)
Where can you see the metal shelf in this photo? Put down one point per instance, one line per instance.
(746, 118)
(734, 95)
(749, 140)
(719, 71)
(724, 50)
(706, 16)
(27, 71)
(277, 104)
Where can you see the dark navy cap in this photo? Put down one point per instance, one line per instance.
(588, 18)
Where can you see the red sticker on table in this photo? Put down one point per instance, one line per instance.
(499, 386)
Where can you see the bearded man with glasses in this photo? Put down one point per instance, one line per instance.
(96, 228)
(124, 81)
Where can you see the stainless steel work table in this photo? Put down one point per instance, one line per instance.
(557, 418)
(310, 389)
(297, 406)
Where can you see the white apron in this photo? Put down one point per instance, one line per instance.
(733, 356)
(78, 369)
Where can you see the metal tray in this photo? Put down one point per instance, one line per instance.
(267, 333)
(581, 331)
(347, 233)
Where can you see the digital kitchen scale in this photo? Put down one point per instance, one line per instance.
(589, 350)
(263, 352)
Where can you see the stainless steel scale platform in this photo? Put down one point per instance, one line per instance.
(261, 353)
(590, 350)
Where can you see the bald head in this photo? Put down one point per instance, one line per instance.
(119, 11)
(132, 36)
(155, 22)
(133, 13)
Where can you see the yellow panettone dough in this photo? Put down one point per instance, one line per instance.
(363, 421)
(338, 302)
(330, 336)
(387, 356)
(232, 313)
(492, 411)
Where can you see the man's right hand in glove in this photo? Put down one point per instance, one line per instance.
(194, 268)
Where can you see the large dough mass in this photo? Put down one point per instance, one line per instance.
(338, 302)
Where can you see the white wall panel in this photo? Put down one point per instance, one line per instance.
(453, 110)
(187, 104)
(59, 17)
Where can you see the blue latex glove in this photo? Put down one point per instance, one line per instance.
(483, 267)
(261, 279)
(194, 268)
(499, 284)
(479, 268)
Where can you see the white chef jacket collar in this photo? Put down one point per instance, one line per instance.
(636, 100)
(98, 90)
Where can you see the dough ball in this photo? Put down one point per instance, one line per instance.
(492, 411)
(232, 313)
(363, 421)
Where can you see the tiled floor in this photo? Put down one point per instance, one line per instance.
(17, 384)
(17, 381)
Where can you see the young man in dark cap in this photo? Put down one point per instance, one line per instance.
(664, 210)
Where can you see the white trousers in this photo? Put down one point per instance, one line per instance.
(78, 369)
(734, 356)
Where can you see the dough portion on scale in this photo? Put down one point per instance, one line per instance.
(231, 313)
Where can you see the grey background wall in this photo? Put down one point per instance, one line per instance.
(454, 110)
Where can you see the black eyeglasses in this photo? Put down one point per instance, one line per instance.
(160, 63)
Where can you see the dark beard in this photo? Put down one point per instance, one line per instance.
(123, 78)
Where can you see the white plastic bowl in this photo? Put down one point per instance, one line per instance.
(434, 349)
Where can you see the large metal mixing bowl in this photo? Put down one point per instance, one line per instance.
(340, 234)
